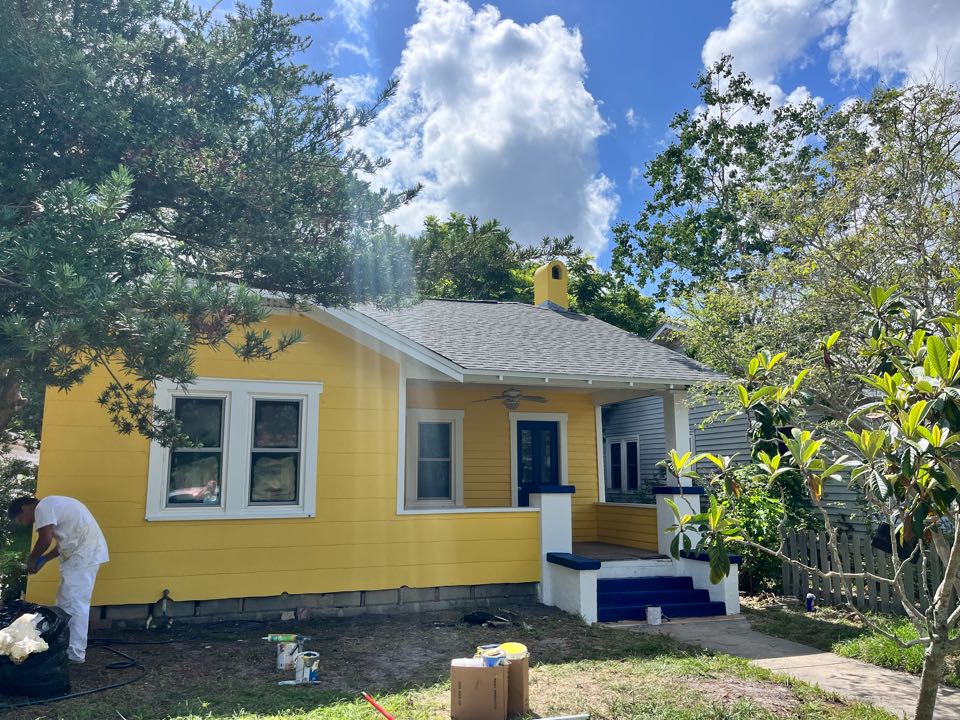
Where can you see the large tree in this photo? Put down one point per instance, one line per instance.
(771, 253)
(463, 257)
(161, 167)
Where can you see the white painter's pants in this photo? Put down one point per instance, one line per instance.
(73, 597)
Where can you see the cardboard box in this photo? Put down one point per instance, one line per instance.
(518, 687)
(478, 693)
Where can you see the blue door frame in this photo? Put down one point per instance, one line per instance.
(538, 457)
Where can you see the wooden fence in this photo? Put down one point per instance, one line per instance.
(856, 555)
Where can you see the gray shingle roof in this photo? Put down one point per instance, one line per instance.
(514, 337)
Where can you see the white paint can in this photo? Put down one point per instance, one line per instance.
(654, 615)
(286, 655)
(307, 667)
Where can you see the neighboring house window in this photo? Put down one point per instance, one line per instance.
(623, 474)
(632, 449)
(434, 476)
(616, 465)
(252, 451)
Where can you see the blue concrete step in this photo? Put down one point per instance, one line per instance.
(652, 597)
(643, 584)
(614, 613)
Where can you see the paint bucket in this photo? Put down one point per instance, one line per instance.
(481, 649)
(492, 658)
(286, 655)
(811, 599)
(515, 650)
(308, 667)
(654, 615)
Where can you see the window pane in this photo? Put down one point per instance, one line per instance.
(276, 424)
(201, 420)
(194, 478)
(435, 440)
(545, 449)
(616, 463)
(274, 477)
(633, 471)
(526, 457)
(433, 479)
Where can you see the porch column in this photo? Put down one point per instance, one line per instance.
(556, 529)
(687, 500)
(676, 426)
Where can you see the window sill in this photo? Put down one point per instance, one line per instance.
(465, 510)
(273, 513)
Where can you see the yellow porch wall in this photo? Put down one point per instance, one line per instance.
(486, 444)
(634, 526)
(355, 542)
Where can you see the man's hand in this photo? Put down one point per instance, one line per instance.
(33, 566)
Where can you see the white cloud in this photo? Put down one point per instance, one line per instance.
(911, 38)
(354, 14)
(897, 39)
(342, 46)
(356, 89)
(494, 119)
(763, 36)
(634, 120)
(636, 175)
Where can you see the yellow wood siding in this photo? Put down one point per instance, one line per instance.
(355, 542)
(630, 526)
(486, 444)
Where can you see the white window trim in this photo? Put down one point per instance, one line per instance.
(414, 417)
(239, 396)
(608, 454)
(561, 420)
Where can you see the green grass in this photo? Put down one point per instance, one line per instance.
(225, 673)
(839, 631)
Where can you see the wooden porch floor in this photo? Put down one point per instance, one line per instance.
(605, 551)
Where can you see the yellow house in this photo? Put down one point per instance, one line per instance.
(425, 456)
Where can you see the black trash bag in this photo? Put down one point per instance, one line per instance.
(43, 674)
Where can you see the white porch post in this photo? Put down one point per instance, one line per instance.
(556, 533)
(676, 425)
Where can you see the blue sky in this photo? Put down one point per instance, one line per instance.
(543, 112)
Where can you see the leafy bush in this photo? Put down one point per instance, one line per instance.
(17, 478)
(759, 514)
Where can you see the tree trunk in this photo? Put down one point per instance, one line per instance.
(933, 661)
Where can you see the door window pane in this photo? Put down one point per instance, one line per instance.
(616, 466)
(196, 469)
(275, 456)
(526, 457)
(633, 470)
(545, 450)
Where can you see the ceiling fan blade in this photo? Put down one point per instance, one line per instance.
(495, 397)
(534, 398)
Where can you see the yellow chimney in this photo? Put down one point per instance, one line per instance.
(550, 286)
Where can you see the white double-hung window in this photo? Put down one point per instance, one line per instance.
(434, 452)
(252, 451)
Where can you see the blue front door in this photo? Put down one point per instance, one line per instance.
(538, 457)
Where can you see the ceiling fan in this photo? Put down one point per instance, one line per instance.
(512, 398)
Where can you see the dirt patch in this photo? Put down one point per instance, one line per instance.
(776, 699)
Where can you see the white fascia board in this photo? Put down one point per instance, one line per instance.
(370, 333)
(573, 380)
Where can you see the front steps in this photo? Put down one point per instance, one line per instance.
(627, 598)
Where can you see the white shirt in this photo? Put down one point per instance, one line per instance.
(78, 536)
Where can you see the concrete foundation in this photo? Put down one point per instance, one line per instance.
(339, 604)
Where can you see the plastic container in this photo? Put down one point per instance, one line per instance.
(308, 667)
(286, 655)
(494, 657)
(515, 650)
(654, 615)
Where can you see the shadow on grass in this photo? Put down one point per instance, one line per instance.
(819, 631)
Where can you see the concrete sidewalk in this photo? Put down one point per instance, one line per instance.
(889, 689)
